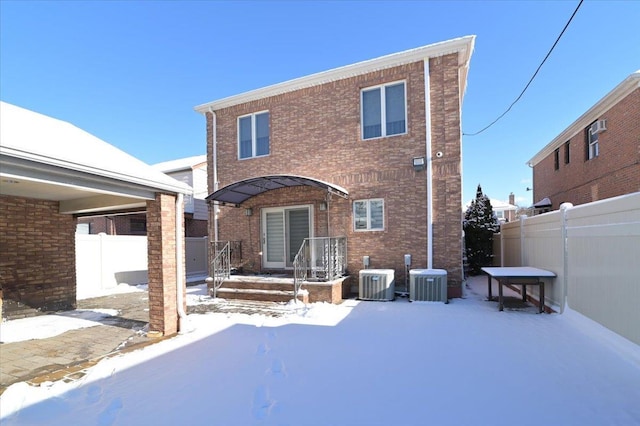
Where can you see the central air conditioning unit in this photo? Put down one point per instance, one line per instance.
(428, 285)
(377, 284)
(598, 127)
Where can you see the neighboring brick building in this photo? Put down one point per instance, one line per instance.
(597, 156)
(347, 140)
(46, 183)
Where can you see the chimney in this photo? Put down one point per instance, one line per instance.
(512, 199)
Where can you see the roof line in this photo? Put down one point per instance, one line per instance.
(462, 44)
(626, 87)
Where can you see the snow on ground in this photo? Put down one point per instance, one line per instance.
(45, 326)
(360, 363)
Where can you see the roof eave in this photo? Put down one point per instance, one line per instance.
(36, 160)
(626, 87)
(463, 45)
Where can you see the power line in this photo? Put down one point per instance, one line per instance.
(532, 77)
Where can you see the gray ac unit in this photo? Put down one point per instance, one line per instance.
(377, 284)
(428, 285)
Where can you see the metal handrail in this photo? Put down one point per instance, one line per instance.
(300, 268)
(319, 259)
(220, 268)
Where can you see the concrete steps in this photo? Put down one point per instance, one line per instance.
(264, 290)
(283, 296)
(279, 288)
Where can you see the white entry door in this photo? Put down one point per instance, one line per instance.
(283, 231)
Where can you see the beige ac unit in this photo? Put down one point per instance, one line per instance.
(377, 284)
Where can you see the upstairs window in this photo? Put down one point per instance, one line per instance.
(253, 135)
(592, 144)
(384, 111)
(368, 215)
(566, 153)
(556, 159)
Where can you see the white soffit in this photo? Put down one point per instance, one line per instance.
(622, 90)
(463, 45)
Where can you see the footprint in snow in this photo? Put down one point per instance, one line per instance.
(263, 349)
(262, 403)
(94, 394)
(277, 368)
(108, 415)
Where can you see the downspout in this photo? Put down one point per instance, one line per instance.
(429, 165)
(182, 316)
(215, 170)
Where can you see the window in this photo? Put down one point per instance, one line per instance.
(384, 111)
(566, 153)
(368, 215)
(253, 135)
(592, 144)
(556, 159)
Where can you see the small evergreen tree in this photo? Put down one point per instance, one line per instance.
(479, 226)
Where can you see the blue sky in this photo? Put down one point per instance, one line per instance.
(131, 72)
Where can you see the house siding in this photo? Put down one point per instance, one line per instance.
(615, 171)
(316, 132)
(37, 257)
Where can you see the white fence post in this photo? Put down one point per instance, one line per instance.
(564, 207)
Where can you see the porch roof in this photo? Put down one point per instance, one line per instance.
(239, 192)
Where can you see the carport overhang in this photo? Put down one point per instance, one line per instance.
(78, 192)
(238, 192)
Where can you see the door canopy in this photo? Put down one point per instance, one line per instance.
(239, 192)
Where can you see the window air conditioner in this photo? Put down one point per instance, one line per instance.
(598, 127)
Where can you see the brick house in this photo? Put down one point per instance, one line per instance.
(370, 152)
(47, 182)
(596, 157)
(193, 172)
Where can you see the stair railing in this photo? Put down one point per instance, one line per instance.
(300, 268)
(220, 268)
(319, 259)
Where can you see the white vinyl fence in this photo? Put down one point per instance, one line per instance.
(105, 261)
(594, 249)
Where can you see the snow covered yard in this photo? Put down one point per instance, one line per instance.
(360, 363)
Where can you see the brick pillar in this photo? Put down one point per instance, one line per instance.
(161, 226)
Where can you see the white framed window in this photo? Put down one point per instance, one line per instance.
(383, 110)
(592, 144)
(253, 135)
(368, 215)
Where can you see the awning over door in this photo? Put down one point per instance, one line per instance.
(239, 192)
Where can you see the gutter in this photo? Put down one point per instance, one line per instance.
(215, 170)
(429, 171)
(182, 316)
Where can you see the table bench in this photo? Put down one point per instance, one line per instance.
(517, 275)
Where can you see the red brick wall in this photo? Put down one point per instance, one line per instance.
(615, 171)
(195, 228)
(37, 257)
(315, 132)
